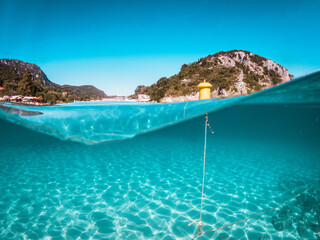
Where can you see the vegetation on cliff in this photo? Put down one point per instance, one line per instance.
(224, 70)
(18, 77)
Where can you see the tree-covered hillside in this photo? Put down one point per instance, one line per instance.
(18, 77)
(230, 73)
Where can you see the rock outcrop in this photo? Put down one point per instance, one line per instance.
(11, 72)
(231, 73)
(20, 67)
(270, 73)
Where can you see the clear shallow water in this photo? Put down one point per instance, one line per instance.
(148, 186)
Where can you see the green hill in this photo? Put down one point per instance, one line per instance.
(19, 77)
(231, 73)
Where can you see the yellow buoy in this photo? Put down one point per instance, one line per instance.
(204, 90)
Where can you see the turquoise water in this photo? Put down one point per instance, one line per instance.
(134, 171)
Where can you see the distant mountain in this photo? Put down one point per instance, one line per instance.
(11, 72)
(19, 67)
(231, 73)
(83, 90)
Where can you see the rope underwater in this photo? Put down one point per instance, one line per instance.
(246, 219)
(200, 224)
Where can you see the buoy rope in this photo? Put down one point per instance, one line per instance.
(203, 172)
(200, 224)
(246, 219)
(204, 162)
(268, 210)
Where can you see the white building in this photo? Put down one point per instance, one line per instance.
(143, 98)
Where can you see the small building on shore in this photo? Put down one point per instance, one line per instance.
(16, 98)
(143, 98)
(114, 98)
(31, 100)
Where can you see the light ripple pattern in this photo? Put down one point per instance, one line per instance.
(149, 187)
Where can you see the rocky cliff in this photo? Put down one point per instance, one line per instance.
(19, 67)
(231, 73)
(11, 72)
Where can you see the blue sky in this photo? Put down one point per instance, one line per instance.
(117, 45)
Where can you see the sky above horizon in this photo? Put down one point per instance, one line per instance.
(118, 45)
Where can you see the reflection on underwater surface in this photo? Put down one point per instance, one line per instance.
(98, 122)
(149, 187)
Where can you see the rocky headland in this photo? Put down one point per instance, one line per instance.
(231, 73)
(19, 77)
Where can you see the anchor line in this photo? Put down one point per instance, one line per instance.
(246, 219)
(206, 126)
(200, 224)
(204, 163)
